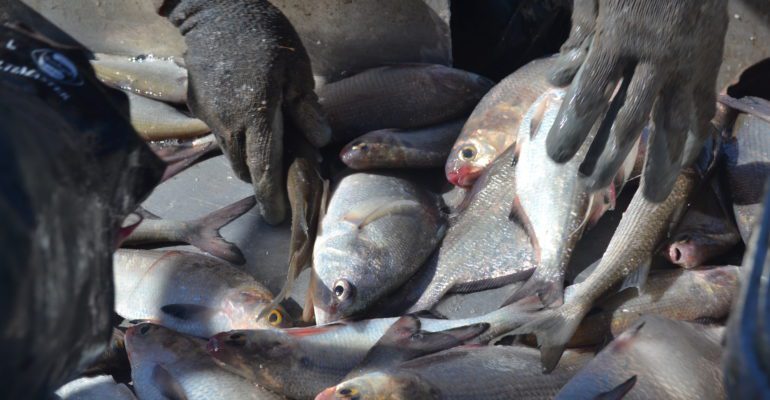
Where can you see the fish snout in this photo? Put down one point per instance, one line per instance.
(464, 176)
(684, 253)
(327, 394)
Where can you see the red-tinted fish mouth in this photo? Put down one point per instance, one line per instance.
(463, 176)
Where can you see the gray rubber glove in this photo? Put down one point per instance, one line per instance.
(666, 54)
(247, 68)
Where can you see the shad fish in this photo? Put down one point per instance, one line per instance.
(494, 124)
(396, 148)
(190, 293)
(168, 365)
(377, 231)
(399, 97)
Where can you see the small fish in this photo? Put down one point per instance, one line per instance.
(746, 352)
(396, 148)
(190, 293)
(159, 78)
(707, 230)
(494, 124)
(670, 360)
(300, 362)
(168, 365)
(399, 96)
(94, 388)
(748, 168)
(488, 372)
(683, 295)
(306, 194)
(377, 231)
(155, 120)
(641, 229)
(202, 233)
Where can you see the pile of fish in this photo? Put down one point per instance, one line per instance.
(387, 235)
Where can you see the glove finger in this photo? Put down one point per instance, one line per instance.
(671, 117)
(701, 127)
(621, 127)
(308, 117)
(574, 50)
(232, 146)
(264, 157)
(585, 100)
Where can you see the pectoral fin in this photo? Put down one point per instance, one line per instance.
(168, 386)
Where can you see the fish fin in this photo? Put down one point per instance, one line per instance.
(185, 159)
(537, 117)
(638, 277)
(370, 211)
(312, 330)
(186, 311)
(168, 386)
(430, 314)
(619, 391)
(587, 216)
(553, 329)
(204, 233)
(308, 311)
(144, 213)
(520, 217)
(549, 292)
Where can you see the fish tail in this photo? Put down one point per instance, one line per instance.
(180, 161)
(204, 232)
(553, 329)
(550, 292)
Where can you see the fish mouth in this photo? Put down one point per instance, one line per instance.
(327, 394)
(463, 176)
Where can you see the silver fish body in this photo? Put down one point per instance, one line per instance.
(154, 77)
(189, 292)
(94, 388)
(166, 364)
(376, 233)
(155, 120)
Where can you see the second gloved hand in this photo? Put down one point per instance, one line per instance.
(667, 54)
(247, 71)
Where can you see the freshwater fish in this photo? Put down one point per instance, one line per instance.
(168, 365)
(155, 120)
(159, 78)
(190, 293)
(396, 148)
(202, 233)
(683, 295)
(494, 124)
(377, 231)
(489, 372)
(399, 96)
(748, 168)
(746, 351)
(670, 360)
(300, 362)
(641, 229)
(94, 388)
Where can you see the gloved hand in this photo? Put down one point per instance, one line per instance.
(247, 67)
(668, 55)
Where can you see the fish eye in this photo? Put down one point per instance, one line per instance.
(342, 289)
(275, 318)
(417, 336)
(360, 146)
(348, 393)
(144, 329)
(468, 152)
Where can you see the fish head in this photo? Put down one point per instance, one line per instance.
(359, 153)
(469, 158)
(150, 343)
(381, 385)
(341, 286)
(261, 355)
(243, 306)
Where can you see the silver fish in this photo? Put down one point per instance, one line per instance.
(159, 78)
(377, 231)
(190, 293)
(155, 120)
(168, 365)
(94, 388)
(669, 360)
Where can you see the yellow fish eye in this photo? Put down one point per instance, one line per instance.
(275, 318)
(347, 393)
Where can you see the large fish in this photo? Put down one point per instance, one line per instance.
(684, 295)
(494, 124)
(202, 233)
(746, 355)
(377, 231)
(396, 148)
(155, 120)
(159, 78)
(748, 168)
(489, 372)
(300, 362)
(643, 226)
(669, 360)
(168, 365)
(399, 96)
(190, 293)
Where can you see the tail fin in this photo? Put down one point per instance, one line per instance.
(181, 160)
(553, 330)
(619, 391)
(549, 292)
(204, 233)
